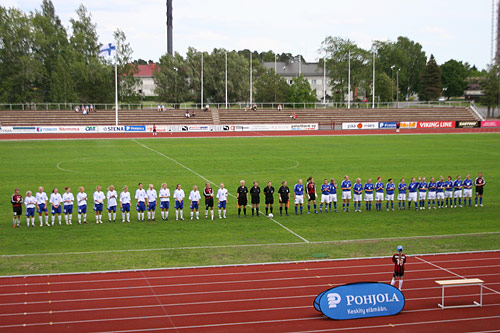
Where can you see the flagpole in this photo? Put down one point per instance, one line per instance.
(201, 81)
(226, 80)
(116, 93)
(251, 81)
(349, 84)
(373, 84)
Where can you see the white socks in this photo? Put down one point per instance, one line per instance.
(128, 216)
(393, 281)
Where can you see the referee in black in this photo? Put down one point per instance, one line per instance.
(269, 193)
(284, 193)
(255, 194)
(242, 196)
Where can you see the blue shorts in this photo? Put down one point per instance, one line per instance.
(164, 204)
(179, 205)
(57, 210)
(112, 209)
(152, 206)
(98, 207)
(194, 205)
(30, 212)
(126, 207)
(141, 206)
(41, 208)
(68, 209)
(222, 204)
(82, 209)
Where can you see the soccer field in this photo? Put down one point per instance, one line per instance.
(109, 246)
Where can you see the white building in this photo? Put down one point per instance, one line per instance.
(146, 86)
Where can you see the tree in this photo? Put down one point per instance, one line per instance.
(383, 87)
(126, 68)
(301, 92)
(172, 79)
(453, 77)
(492, 89)
(271, 87)
(431, 81)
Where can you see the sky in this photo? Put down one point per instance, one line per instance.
(449, 29)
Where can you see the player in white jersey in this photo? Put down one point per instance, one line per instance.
(30, 203)
(111, 197)
(68, 200)
(179, 202)
(195, 198)
(151, 194)
(81, 202)
(41, 206)
(125, 200)
(55, 201)
(222, 195)
(164, 201)
(140, 197)
(98, 204)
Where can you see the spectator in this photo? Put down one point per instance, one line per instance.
(193, 114)
(84, 110)
(280, 107)
(188, 115)
(207, 108)
(77, 109)
(254, 107)
(92, 108)
(158, 108)
(163, 108)
(293, 115)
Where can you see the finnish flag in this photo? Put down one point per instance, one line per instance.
(107, 49)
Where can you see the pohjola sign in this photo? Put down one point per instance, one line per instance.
(360, 300)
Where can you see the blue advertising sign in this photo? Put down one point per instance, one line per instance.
(360, 300)
(135, 128)
(388, 125)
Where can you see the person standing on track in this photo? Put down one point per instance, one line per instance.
(208, 193)
(255, 194)
(284, 195)
(269, 194)
(242, 196)
(399, 260)
(17, 207)
(479, 183)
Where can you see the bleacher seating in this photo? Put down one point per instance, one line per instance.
(324, 117)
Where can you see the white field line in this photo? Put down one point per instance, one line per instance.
(362, 240)
(159, 301)
(208, 181)
(453, 273)
(310, 269)
(313, 277)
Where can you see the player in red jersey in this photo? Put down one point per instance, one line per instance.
(17, 206)
(399, 260)
(311, 195)
(208, 193)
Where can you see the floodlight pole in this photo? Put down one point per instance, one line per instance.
(373, 83)
(116, 94)
(349, 83)
(324, 80)
(251, 81)
(226, 81)
(201, 89)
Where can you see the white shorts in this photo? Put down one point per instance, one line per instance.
(467, 193)
(357, 197)
(299, 199)
(432, 195)
(368, 196)
(346, 195)
(448, 194)
(389, 197)
(333, 197)
(422, 195)
(402, 196)
(457, 194)
(325, 198)
(379, 196)
(440, 195)
(412, 196)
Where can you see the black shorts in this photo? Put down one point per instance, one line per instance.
(284, 200)
(479, 190)
(398, 274)
(209, 203)
(255, 200)
(242, 202)
(269, 200)
(312, 197)
(18, 211)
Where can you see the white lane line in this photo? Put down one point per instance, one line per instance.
(453, 273)
(363, 240)
(208, 181)
(159, 302)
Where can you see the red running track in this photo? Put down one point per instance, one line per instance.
(264, 298)
(134, 135)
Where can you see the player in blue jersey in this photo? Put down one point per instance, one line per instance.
(333, 194)
(369, 194)
(412, 193)
(457, 191)
(431, 198)
(298, 191)
(358, 194)
(389, 194)
(346, 193)
(379, 193)
(468, 190)
(422, 191)
(402, 187)
(440, 192)
(325, 196)
(448, 191)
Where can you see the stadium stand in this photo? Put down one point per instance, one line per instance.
(321, 116)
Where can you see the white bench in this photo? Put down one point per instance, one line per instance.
(461, 283)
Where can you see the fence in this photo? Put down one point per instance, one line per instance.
(241, 105)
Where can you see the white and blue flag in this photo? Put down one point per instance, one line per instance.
(107, 49)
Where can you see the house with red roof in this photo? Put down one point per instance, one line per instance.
(146, 86)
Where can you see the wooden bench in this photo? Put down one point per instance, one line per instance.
(461, 283)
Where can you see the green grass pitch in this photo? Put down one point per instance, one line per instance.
(29, 164)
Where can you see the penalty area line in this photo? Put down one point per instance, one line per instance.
(211, 182)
